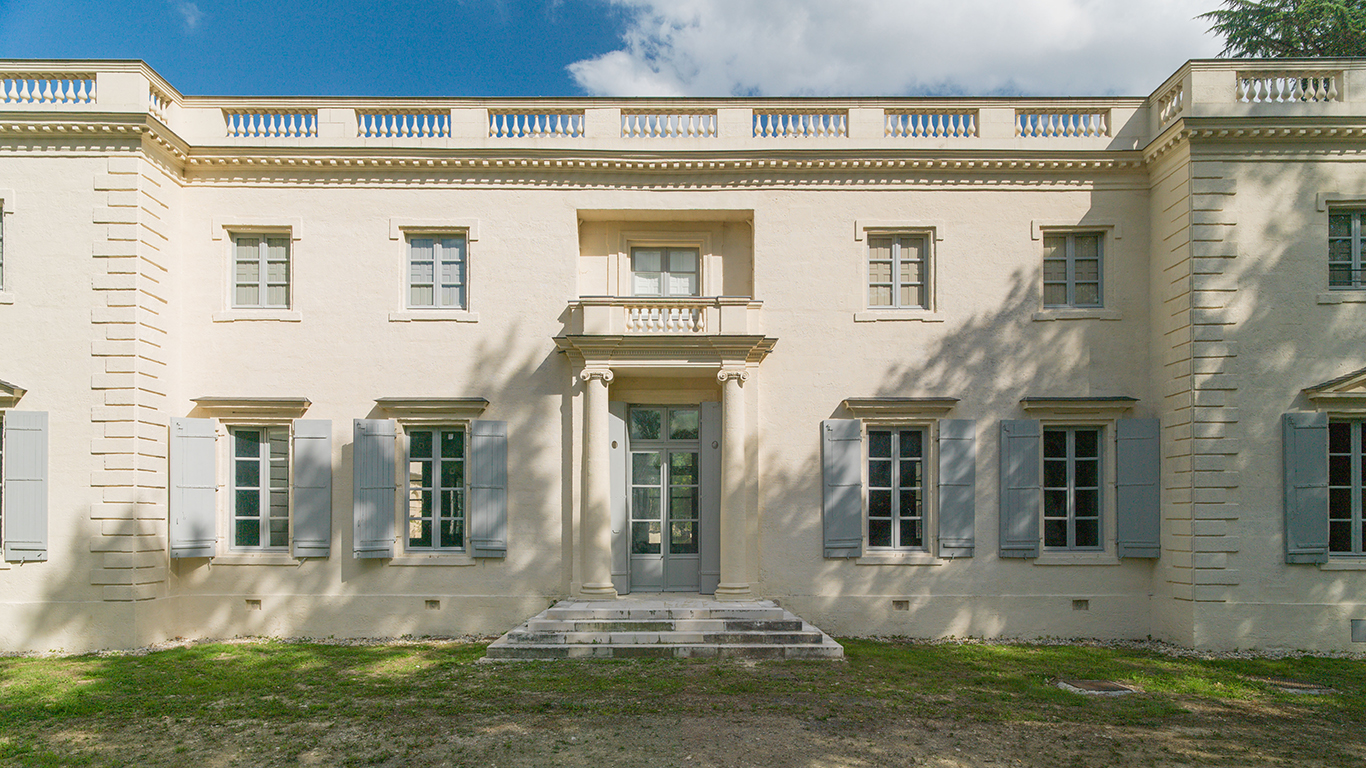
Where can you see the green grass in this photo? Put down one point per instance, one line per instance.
(283, 689)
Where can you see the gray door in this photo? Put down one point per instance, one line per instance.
(668, 485)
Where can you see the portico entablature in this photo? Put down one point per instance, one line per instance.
(663, 354)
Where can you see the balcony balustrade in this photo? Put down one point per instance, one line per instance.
(1200, 89)
(705, 315)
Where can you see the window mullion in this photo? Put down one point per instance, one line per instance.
(896, 486)
(1070, 251)
(263, 265)
(896, 302)
(1357, 449)
(1071, 489)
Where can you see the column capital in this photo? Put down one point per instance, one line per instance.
(738, 374)
(588, 374)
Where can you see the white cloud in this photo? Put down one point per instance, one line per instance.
(898, 47)
(190, 13)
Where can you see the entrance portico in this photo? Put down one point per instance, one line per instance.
(681, 370)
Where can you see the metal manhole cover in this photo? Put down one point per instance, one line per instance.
(1096, 687)
(1299, 687)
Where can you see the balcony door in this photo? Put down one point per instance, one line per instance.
(666, 513)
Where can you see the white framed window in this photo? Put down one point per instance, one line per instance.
(665, 271)
(1346, 467)
(1072, 480)
(436, 488)
(259, 484)
(1073, 269)
(261, 270)
(1346, 270)
(896, 492)
(898, 271)
(436, 271)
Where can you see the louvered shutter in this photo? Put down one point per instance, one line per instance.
(489, 488)
(312, 488)
(1305, 445)
(1020, 489)
(25, 485)
(373, 488)
(842, 477)
(193, 485)
(1138, 492)
(957, 487)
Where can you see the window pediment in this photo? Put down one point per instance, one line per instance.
(435, 410)
(10, 394)
(255, 409)
(1072, 407)
(899, 407)
(1345, 394)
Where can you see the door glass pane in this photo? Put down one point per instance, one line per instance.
(645, 503)
(646, 424)
(683, 504)
(682, 538)
(684, 424)
(683, 468)
(645, 468)
(645, 538)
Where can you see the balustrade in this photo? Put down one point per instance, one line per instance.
(655, 318)
(403, 124)
(158, 103)
(668, 125)
(800, 123)
(38, 88)
(1171, 103)
(930, 123)
(265, 122)
(1280, 87)
(1061, 123)
(565, 124)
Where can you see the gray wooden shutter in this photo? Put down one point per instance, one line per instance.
(842, 477)
(1138, 490)
(1306, 487)
(25, 489)
(709, 500)
(312, 488)
(1020, 489)
(621, 537)
(957, 487)
(192, 501)
(489, 488)
(373, 488)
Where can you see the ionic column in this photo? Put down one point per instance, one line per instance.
(596, 515)
(734, 531)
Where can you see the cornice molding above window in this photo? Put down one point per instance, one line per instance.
(1100, 407)
(432, 410)
(1344, 395)
(10, 394)
(899, 407)
(256, 409)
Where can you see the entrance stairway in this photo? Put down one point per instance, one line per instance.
(663, 627)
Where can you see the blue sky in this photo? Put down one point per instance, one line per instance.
(625, 47)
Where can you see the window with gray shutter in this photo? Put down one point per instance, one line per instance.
(193, 486)
(312, 488)
(488, 488)
(842, 481)
(373, 488)
(1346, 467)
(259, 488)
(957, 487)
(896, 489)
(436, 489)
(1020, 488)
(1138, 490)
(24, 488)
(1305, 448)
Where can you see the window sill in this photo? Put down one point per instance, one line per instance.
(1063, 313)
(902, 315)
(898, 558)
(1344, 564)
(272, 558)
(1341, 296)
(6, 297)
(276, 315)
(451, 560)
(1076, 558)
(447, 315)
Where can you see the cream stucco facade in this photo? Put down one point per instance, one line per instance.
(185, 279)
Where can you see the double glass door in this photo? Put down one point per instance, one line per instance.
(665, 476)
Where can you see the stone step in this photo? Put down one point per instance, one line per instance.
(825, 650)
(658, 625)
(519, 637)
(579, 613)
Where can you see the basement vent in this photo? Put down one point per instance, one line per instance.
(901, 605)
(433, 605)
(253, 605)
(1081, 605)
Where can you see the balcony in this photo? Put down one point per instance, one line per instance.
(700, 316)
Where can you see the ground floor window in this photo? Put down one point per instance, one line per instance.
(1346, 467)
(260, 487)
(436, 488)
(896, 489)
(1071, 487)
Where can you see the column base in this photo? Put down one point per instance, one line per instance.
(732, 592)
(598, 592)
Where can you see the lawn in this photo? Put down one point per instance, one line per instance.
(284, 703)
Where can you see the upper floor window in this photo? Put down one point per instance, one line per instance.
(1071, 487)
(1345, 268)
(1072, 269)
(1346, 465)
(261, 271)
(436, 271)
(664, 271)
(898, 271)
